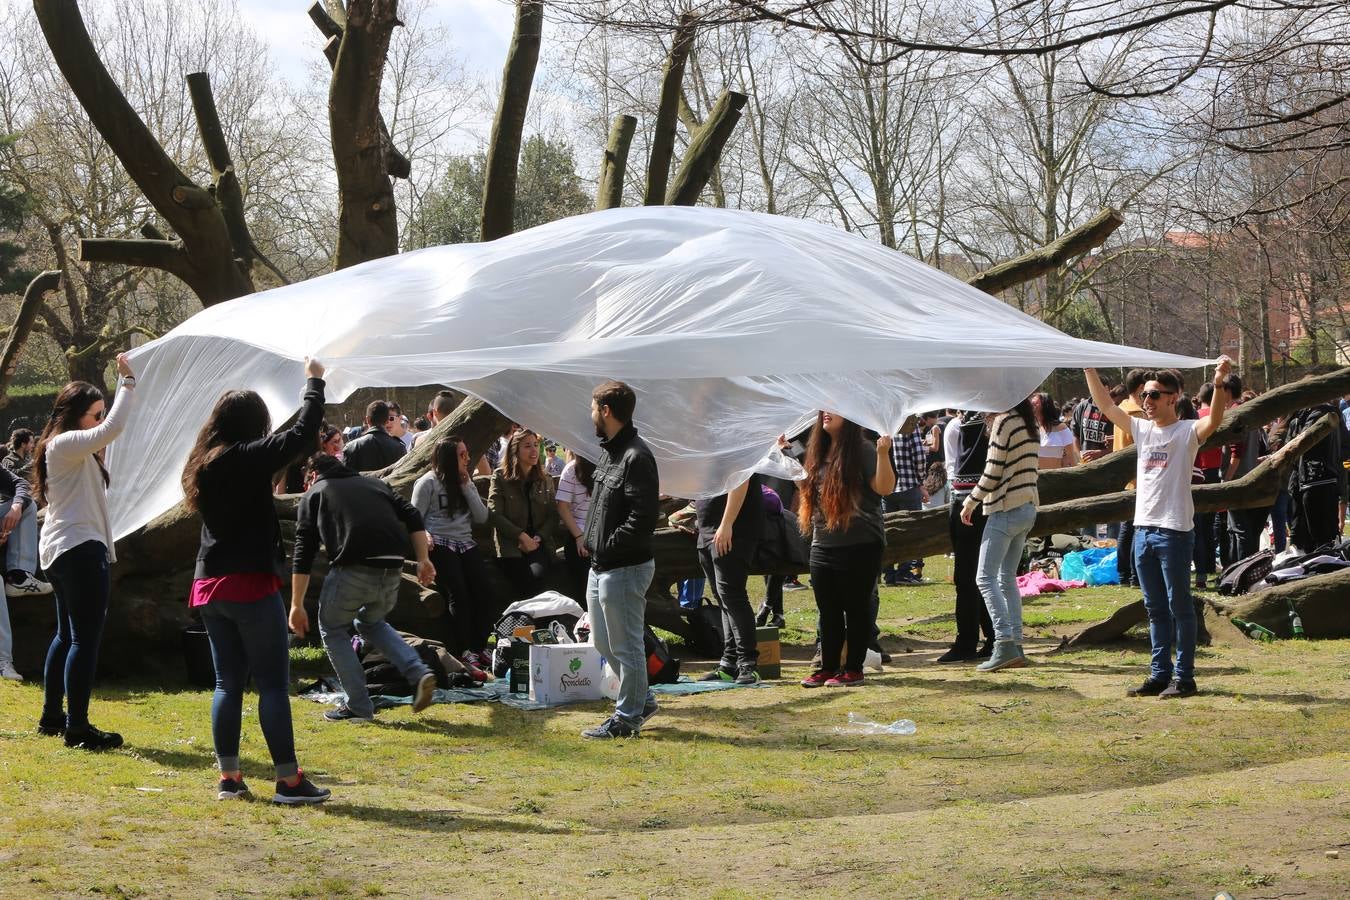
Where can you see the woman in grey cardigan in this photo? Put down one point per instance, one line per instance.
(76, 549)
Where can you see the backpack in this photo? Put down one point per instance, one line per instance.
(705, 629)
(662, 668)
(1321, 464)
(1241, 576)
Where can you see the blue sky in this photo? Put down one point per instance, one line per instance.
(481, 30)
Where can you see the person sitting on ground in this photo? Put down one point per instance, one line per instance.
(524, 514)
(364, 528)
(237, 583)
(19, 458)
(1058, 448)
(729, 529)
(450, 506)
(1164, 519)
(846, 477)
(1007, 493)
(574, 504)
(376, 447)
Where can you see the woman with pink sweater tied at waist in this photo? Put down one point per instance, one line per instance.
(1007, 490)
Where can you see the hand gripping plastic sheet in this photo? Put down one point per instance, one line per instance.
(731, 327)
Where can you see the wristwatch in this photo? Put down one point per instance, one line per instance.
(129, 381)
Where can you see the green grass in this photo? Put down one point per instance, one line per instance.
(1045, 781)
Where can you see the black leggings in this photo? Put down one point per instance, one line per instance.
(469, 602)
(842, 579)
(80, 582)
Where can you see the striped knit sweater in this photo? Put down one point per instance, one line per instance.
(1009, 478)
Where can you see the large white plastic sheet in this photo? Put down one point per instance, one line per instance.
(731, 326)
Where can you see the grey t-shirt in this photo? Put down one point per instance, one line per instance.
(433, 503)
(866, 526)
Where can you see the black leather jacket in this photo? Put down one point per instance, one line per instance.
(624, 503)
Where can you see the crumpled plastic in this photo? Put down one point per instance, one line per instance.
(862, 725)
(731, 326)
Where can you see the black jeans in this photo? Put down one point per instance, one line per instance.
(469, 602)
(843, 579)
(80, 584)
(1204, 534)
(773, 593)
(578, 571)
(972, 616)
(1244, 531)
(727, 574)
(1125, 553)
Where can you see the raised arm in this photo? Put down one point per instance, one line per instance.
(91, 440)
(1206, 427)
(883, 482)
(1101, 398)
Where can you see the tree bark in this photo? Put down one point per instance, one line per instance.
(367, 221)
(397, 165)
(1320, 600)
(499, 187)
(609, 195)
(29, 309)
(705, 149)
(473, 421)
(207, 257)
(1050, 257)
(667, 111)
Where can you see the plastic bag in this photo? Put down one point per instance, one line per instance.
(1076, 566)
(862, 725)
(1104, 570)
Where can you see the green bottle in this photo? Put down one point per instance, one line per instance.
(1254, 631)
(1295, 622)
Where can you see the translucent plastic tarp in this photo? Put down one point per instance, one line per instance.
(731, 326)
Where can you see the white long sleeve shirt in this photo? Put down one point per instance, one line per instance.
(77, 498)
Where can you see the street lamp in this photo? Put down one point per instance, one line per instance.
(1284, 361)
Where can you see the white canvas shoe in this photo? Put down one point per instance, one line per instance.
(8, 672)
(29, 587)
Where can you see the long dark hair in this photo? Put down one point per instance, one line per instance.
(1050, 416)
(510, 464)
(70, 406)
(238, 416)
(585, 472)
(1028, 414)
(834, 475)
(445, 466)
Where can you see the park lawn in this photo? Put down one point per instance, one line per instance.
(1044, 781)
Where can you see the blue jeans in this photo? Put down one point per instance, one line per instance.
(251, 638)
(362, 596)
(1005, 534)
(80, 582)
(1279, 521)
(21, 550)
(1162, 561)
(908, 500)
(691, 592)
(617, 601)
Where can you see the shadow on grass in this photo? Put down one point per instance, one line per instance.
(438, 820)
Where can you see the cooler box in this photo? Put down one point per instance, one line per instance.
(564, 673)
(770, 663)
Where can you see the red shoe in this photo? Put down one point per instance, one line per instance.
(845, 679)
(817, 678)
(475, 673)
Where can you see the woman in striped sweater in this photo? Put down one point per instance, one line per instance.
(1007, 490)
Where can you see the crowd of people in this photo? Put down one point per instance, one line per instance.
(982, 467)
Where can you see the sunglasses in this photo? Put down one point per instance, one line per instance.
(98, 416)
(1155, 395)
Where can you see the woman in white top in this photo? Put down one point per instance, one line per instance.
(76, 549)
(574, 503)
(1059, 448)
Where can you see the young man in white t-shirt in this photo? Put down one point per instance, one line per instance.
(1164, 519)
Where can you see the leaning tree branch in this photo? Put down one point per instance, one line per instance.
(497, 217)
(609, 194)
(29, 308)
(1050, 257)
(705, 150)
(367, 220)
(667, 111)
(168, 256)
(212, 272)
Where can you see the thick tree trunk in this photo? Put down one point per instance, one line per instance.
(609, 195)
(205, 258)
(367, 220)
(499, 187)
(705, 149)
(667, 111)
(1050, 257)
(473, 421)
(29, 308)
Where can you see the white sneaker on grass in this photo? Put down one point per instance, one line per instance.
(8, 672)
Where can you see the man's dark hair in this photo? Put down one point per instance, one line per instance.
(1205, 394)
(1233, 385)
(394, 408)
(377, 413)
(443, 403)
(1168, 379)
(1135, 380)
(619, 397)
(422, 423)
(321, 464)
(19, 437)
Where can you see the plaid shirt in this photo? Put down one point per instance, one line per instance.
(908, 456)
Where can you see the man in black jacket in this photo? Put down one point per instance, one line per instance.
(619, 540)
(376, 447)
(364, 528)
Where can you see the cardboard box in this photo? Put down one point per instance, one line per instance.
(564, 673)
(770, 664)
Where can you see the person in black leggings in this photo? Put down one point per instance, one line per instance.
(846, 477)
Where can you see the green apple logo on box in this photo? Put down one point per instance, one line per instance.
(574, 664)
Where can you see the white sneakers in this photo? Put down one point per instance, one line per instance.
(8, 672)
(29, 587)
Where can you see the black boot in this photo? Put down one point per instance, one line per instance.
(762, 617)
